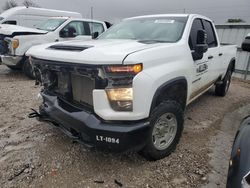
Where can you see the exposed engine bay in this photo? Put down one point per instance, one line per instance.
(74, 83)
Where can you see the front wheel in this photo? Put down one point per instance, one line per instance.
(28, 69)
(166, 128)
(14, 67)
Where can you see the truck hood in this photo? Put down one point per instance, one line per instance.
(14, 30)
(102, 51)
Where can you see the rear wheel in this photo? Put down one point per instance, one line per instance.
(222, 89)
(166, 128)
(28, 69)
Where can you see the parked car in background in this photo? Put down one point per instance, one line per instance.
(16, 40)
(128, 89)
(31, 17)
(239, 165)
(246, 43)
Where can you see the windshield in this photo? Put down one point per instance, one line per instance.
(162, 29)
(51, 24)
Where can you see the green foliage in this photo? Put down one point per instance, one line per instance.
(235, 20)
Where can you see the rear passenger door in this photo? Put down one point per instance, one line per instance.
(212, 53)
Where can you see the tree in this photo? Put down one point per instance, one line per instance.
(29, 3)
(235, 20)
(9, 4)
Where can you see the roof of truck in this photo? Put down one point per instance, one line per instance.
(168, 15)
(160, 15)
(72, 18)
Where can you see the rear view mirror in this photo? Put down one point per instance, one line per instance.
(62, 34)
(246, 44)
(95, 35)
(201, 46)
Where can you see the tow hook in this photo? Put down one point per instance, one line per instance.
(34, 114)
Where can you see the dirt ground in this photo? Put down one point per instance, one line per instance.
(34, 154)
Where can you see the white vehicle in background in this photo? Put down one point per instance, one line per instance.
(16, 40)
(31, 17)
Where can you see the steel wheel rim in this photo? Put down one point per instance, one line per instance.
(164, 131)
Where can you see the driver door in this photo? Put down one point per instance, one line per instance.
(74, 31)
(200, 67)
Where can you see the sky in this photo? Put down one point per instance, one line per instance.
(115, 10)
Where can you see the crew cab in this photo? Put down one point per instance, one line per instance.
(129, 88)
(16, 40)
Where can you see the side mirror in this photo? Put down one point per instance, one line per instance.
(246, 180)
(69, 32)
(95, 35)
(246, 44)
(63, 34)
(201, 46)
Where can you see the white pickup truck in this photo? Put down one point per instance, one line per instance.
(128, 89)
(16, 40)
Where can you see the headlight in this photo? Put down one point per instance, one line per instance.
(119, 85)
(15, 43)
(121, 99)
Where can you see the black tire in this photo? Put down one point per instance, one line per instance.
(150, 151)
(14, 67)
(222, 89)
(28, 69)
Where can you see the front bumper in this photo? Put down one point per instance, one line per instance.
(91, 130)
(11, 60)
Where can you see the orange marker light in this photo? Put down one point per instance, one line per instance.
(125, 69)
(137, 68)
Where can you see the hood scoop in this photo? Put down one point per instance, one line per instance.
(69, 47)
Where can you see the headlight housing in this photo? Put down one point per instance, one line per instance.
(121, 99)
(15, 43)
(119, 89)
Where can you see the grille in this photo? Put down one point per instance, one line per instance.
(3, 45)
(82, 87)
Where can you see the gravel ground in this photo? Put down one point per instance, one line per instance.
(34, 154)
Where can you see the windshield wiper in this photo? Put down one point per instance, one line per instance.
(151, 41)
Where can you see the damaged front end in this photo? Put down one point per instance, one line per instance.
(74, 82)
(67, 96)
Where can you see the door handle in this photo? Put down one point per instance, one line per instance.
(220, 54)
(210, 57)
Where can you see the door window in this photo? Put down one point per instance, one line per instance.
(211, 38)
(11, 22)
(96, 27)
(197, 25)
(75, 28)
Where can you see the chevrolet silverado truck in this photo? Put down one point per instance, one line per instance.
(128, 89)
(16, 40)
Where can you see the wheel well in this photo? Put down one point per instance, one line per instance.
(174, 90)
